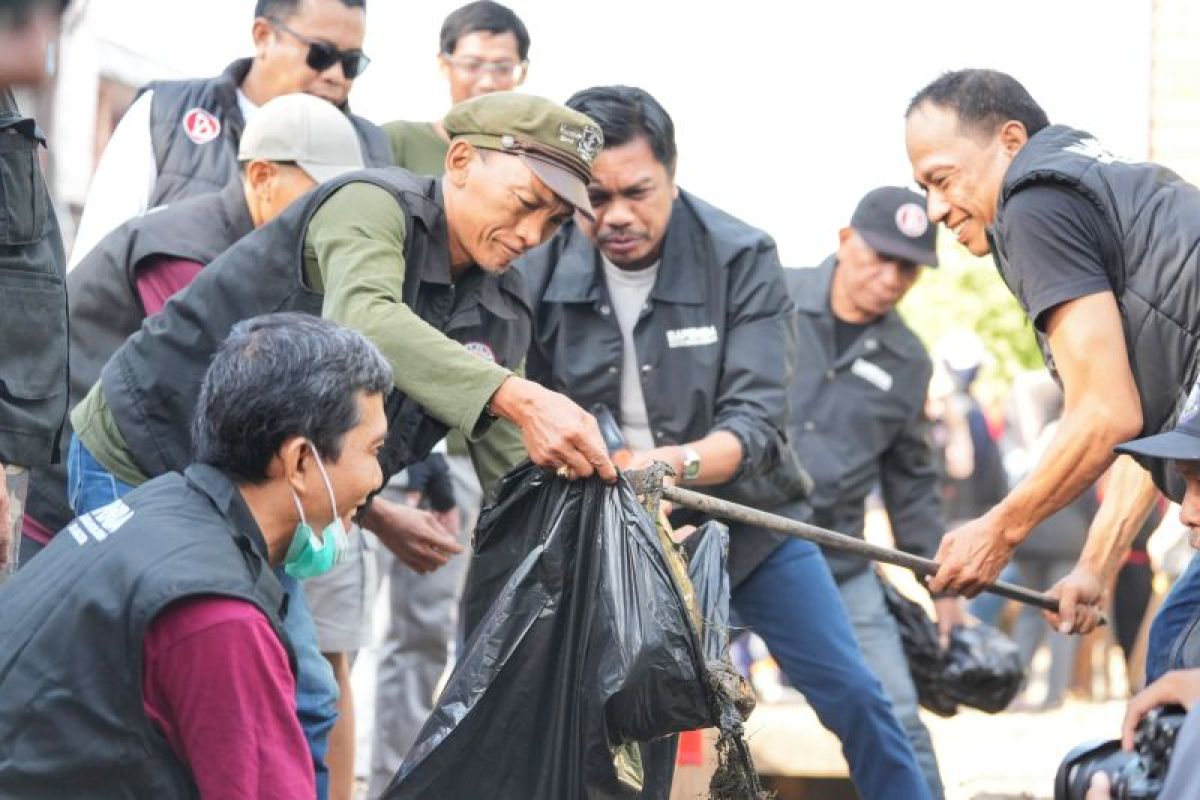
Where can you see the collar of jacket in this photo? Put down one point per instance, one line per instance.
(888, 331)
(235, 213)
(495, 291)
(224, 494)
(225, 497)
(10, 117)
(683, 273)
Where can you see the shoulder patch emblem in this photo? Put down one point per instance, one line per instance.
(481, 350)
(97, 525)
(201, 126)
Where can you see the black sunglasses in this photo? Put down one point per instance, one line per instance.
(323, 55)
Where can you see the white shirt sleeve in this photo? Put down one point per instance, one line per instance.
(123, 181)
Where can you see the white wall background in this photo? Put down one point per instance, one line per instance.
(787, 112)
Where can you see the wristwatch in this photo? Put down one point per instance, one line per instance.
(691, 463)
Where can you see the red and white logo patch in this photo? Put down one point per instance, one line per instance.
(201, 126)
(912, 220)
(481, 350)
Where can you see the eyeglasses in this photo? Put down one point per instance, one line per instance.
(501, 70)
(323, 55)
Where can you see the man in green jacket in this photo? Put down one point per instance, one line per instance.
(418, 265)
(483, 48)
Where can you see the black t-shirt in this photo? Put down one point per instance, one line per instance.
(1058, 247)
(846, 333)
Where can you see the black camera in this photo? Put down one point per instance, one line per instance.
(1133, 776)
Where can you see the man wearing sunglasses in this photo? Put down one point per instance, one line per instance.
(180, 138)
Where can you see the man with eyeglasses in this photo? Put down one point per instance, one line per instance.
(484, 48)
(180, 138)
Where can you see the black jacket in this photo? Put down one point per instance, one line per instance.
(106, 309)
(858, 420)
(719, 279)
(1155, 217)
(72, 625)
(33, 300)
(187, 167)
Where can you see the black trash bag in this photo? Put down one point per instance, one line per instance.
(926, 659)
(981, 668)
(581, 644)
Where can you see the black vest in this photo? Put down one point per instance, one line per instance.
(1155, 218)
(106, 309)
(33, 302)
(72, 624)
(187, 168)
(152, 382)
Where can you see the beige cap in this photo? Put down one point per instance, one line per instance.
(304, 129)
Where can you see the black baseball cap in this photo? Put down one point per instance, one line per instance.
(893, 221)
(1181, 443)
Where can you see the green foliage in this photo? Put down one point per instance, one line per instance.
(966, 292)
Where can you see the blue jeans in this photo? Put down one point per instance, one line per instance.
(791, 601)
(91, 486)
(1178, 615)
(877, 634)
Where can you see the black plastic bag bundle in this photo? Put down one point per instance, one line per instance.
(581, 643)
(981, 668)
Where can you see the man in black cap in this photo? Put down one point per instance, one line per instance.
(857, 405)
(1180, 685)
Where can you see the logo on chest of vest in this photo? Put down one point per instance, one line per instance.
(481, 350)
(201, 126)
(692, 337)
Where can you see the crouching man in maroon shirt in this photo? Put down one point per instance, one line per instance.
(143, 654)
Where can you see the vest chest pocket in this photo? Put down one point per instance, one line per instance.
(24, 203)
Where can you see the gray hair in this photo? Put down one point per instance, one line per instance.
(279, 376)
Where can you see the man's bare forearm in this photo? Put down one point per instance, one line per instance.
(1129, 495)
(1077, 456)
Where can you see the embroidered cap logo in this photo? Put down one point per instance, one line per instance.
(911, 220)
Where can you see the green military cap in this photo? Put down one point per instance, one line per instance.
(556, 143)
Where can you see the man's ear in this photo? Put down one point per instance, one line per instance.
(459, 158)
(1013, 137)
(292, 462)
(844, 235)
(259, 175)
(261, 33)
